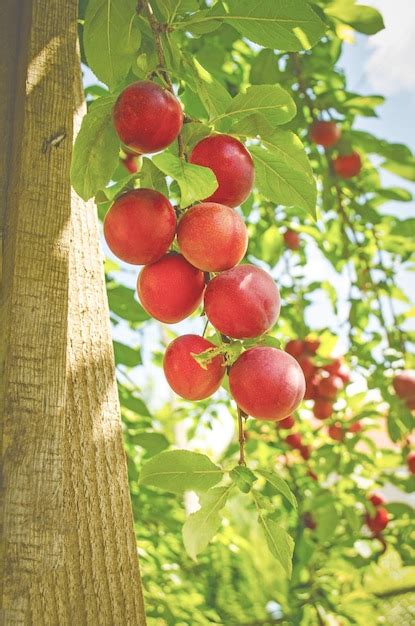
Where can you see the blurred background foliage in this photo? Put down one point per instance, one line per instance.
(340, 287)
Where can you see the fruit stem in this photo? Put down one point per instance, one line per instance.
(241, 417)
(156, 30)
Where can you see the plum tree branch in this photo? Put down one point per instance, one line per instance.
(241, 438)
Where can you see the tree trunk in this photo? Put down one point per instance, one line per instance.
(68, 549)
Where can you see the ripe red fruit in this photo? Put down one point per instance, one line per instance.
(311, 345)
(184, 375)
(212, 237)
(147, 117)
(347, 165)
(322, 409)
(170, 289)
(311, 388)
(309, 521)
(410, 459)
(232, 165)
(140, 226)
(292, 239)
(329, 387)
(336, 432)
(376, 498)
(243, 302)
(410, 403)
(294, 440)
(295, 347)
(355, 428)
(308, 367)
(131, 162)
(305, 452)
(267, 383)
(325, 133)
(333, 367)
(379, 521)
(404, 384)
(287, 423)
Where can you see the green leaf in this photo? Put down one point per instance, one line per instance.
(264, 68)
(371, 144)
(271, 101)
(111, 37)
(283, 173)
(95, 153)
(243, 478)
(286, 26)
(150, 441)
(403, 169)
(214, 97)
(280, 485)
(195, 182)
(132, 403)
(152, 178)
(362, 18)
(122, 302)
(395, 193)
(200, 527)
(279, 542)
(131, 357)
(181, 470)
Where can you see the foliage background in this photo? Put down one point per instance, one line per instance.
(341, 286)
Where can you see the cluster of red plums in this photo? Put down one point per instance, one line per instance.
(240, 301)
(323, 383)
(328, 134)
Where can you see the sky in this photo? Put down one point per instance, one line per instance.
(381, 64)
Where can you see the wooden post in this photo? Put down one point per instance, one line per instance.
(68, 552)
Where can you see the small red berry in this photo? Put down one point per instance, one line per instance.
(311, 345)
(292, 239)
(410, 459)
(376, 498)
(323, 409)
(325, 133)
(347, 165)
(308, 367)
(287, 423)
(295, 347)
(305, 452)
(379, 521)
(294, 440)
(355, 428)
(336, 432)
(329, 387)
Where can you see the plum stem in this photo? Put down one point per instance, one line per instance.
(157, 30)
(241, 417)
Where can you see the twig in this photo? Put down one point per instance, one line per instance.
(388, 297)
(241, 416)
(301, 84)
